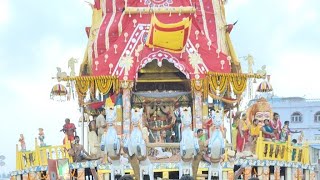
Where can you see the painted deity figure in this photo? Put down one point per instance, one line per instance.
(189, 146)
(136, 145)
(41, 137)
(216, 144)
(261, 110)
(22, 143)
(110, 143)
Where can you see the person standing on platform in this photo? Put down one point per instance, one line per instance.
(101, 123)
(69, 129)
(276, 125)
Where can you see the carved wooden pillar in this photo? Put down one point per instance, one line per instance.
(260, 173)
(126, 96)
(247, 173)
(230, 175)
(25, 176)
(81, 174)
(265, 173)
(197, 111)
(307, 174)
(313, 175)
(33, 175)
(289, 173)
(297, 174)
(19, 177)
(277, 172)
(103, 175)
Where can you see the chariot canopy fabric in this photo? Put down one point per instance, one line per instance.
(171, 37)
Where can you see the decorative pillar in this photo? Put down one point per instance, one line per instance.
(81, 175)
(247, 172)
(260, 173)
(25, 176)
(230, 175)
(165, 175)
(103, 174)
(307, 174)
(33, 175)
(288, 173)
(276, 172)
(313, 175)
(197, 110)
(126, 96)
(297, 174)
(265, 173)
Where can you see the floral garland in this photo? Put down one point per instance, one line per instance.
(103, 83)
(238, 83)
(222, 82)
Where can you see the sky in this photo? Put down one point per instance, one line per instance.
(38, 36)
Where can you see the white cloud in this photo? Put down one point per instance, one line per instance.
(236, 4)
(4, 12)
(295, 73)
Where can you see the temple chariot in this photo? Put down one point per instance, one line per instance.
(168, 69)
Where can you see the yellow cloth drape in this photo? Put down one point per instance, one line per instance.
(172, 37)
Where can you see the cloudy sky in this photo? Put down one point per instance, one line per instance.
(37, 36)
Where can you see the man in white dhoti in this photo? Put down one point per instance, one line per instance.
(101, 123)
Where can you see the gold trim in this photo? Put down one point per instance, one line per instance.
(161, 80)
(162, 10)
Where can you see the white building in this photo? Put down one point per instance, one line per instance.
(303, 114)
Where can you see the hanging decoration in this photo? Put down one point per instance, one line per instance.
(171, 37)
(103, 83)
(60, 91)
(221, 82)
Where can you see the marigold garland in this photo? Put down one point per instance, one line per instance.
(102, 83)
(222, 82)
(239, 84)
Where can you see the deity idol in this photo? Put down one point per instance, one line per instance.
(260, 110)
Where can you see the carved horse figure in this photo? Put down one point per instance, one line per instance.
(189, 146)
(110, 143)
(216, 144)
(135, 144)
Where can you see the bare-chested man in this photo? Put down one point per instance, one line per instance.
(77, 151)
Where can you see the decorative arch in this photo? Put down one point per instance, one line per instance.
(296, 117)
(160, 56)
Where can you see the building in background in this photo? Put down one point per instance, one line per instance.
(303, 114)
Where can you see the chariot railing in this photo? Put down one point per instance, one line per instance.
(282, 151)
(40, 156)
